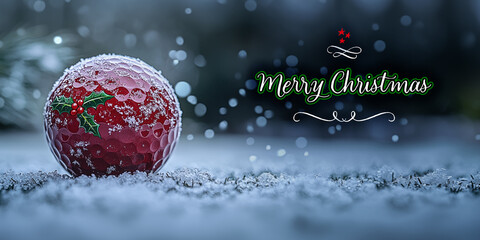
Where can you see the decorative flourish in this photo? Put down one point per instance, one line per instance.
(78, 109)
(337, 51)
(351, 53)
(353, 114)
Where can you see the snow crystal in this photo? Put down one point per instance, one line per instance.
(110, 169)
(395, 138)
(232, 102)
(301, 142)
(261, 121)
(258, 109)
(57, 40)
(242, 92)
(268, 114)
(179, 40)
(281, 152)
(249, 128)
(182, 89)
(192, 99)
(250, 141)
(130, 40)
(132, 122)
(359, 107)
(36, 94)
(237, 75)
(379, 45)
(323, 70)
(83, 31)
(331, 130)
(200, 61)
(406, 20)
(288, 105)
(242, 54)
(250, 84)
(209, 133)
(291, 60)
(39, 6)
(223, 125)
(250, 5)
(200, 110)
(181, 55)
(222, 110)
(277, 62)
(339, 105)
(82, 144)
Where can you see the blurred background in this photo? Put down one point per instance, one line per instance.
(210, 51)
(268, 177)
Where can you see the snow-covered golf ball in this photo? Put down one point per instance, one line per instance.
(111, 114)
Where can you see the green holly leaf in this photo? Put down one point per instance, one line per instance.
(95, 99)
(62, 104)
(88, 123)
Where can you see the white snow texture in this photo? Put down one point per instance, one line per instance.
(210, 189)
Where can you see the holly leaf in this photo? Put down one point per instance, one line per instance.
(95, 99)
(62, 104)
(88, 123)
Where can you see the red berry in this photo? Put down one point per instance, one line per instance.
(73, 112)
(74, 106)
(138, 125)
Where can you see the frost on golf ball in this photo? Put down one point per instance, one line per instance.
(112, 114)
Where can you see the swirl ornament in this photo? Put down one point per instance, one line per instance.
(351, 53)
(353, 114)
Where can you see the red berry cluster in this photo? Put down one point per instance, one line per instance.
(77, 108)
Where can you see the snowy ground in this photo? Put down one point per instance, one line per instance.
(211, 190)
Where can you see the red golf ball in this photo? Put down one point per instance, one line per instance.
(112, 114)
